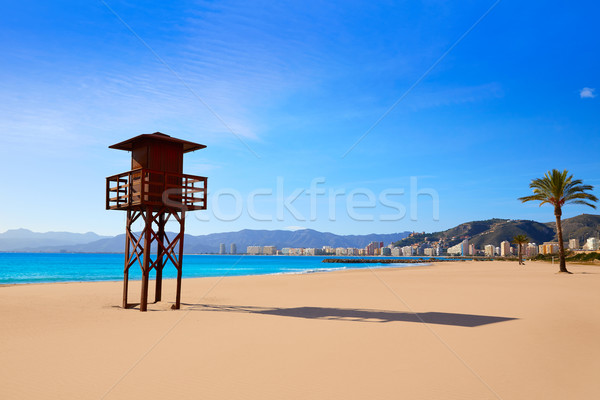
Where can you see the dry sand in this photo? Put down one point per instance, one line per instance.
(492, 330)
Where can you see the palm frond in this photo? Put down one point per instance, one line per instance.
(583, 203)
(558, 188)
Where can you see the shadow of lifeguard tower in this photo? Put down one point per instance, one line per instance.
(155, 191)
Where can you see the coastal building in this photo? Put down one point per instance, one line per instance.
(471, 249)
(352, 251)
(489, 250)
(233, 249)
(430, 251)
(531, 250)
(269, 250)
(464, 247)
(301, 252)
(341, 251)
(455, 250)
(592, 244)
(222, 248)
(549, 248)
(505, 250)
(438, 251)
(386, 251)
(373, 248)
(407, 251)
(254, 250)
(397, 252)
(573, 244)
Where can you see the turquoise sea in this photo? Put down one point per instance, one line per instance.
(42, 267)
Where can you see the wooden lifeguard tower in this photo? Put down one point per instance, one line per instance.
(154, 191)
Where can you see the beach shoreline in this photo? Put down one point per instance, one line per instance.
(470, 330)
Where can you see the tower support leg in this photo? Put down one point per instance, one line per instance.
(180, 260)
(127, 258)
(160, 262)
(146, 261)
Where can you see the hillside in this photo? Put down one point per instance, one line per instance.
(580, 227)
(494, 231)
(18, 239)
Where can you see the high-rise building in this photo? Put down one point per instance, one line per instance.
(505, 249)
(407, 251)
(233, 249)
(549, 248)
(429, 251)
(269, 250)
(222, 248)
(396, 252)
(489, 250)
(592, 244)
(464, 247)
(471, 249)
(573, 244)
(373, 247)
(531, 250)
(254, 250)
(455, 250)
(386, 251)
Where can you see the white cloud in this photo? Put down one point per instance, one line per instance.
(587, 93)
(294, 228)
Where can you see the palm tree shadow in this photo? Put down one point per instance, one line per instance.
(359, 315)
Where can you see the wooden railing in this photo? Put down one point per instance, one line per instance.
(145, 187)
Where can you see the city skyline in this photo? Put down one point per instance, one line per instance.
(435, 112)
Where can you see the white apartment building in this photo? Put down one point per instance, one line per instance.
(269, 250)
(407, 251)
(430, 251)
(531, 250)
(592, 244)
(254, 250)
(455, 250)
(505, 249)
(489, 250)
(464, 248)
(573, 244)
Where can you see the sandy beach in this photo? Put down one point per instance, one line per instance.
(482, 330)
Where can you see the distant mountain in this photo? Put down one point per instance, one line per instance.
(494, 231)
(19, 239)
(247, 237)
(480, 233)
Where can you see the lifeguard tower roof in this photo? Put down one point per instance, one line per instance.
(130, 144)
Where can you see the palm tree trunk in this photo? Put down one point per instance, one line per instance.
(520, 254)
(559, 236)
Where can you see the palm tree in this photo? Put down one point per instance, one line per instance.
(558, 189)
(520, 240)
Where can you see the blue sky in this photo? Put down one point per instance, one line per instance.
(280, 92)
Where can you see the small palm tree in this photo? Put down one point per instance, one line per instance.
(520, 240)
(558, 189)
